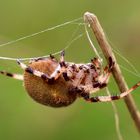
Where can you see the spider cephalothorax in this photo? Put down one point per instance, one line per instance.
(59, 83)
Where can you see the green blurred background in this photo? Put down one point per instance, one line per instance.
(20, 117)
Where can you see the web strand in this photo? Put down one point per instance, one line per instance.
(45, 56)
(70, 42)
(127, 61)
(135, 74)
(40, 32)
(92, 45)
(75, 21)
(116, 51)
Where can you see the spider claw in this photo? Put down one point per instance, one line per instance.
(51, 56)
(63, 53)
(18, 61)
(95, 61)
(111, 62)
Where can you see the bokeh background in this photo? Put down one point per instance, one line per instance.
(23, 119)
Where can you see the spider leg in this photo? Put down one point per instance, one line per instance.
(61, 68)
(78, 79)
(109, 67)
(41, 58)
(62, 56)
(33, 72)
(96, 62)
(87, 97)
(15, 76)
(101, 83)
(103, 79)
(96, 85)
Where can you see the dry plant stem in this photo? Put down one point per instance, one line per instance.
(92, 20)
(117, 124)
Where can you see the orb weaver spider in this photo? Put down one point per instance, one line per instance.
(58, 84)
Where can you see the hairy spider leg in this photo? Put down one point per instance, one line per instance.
(78, 79)
(98, 86)
(87, 89)
(61, 68)
(110, 65)
(109, 98)
(58, 71)
(12, 75)
(40, 58)
(107, 71)
(103, 79)
(95, 61)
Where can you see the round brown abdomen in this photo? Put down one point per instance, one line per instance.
(55, 94)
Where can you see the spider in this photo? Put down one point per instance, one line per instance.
(59, 83)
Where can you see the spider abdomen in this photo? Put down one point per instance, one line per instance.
(55, 94)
